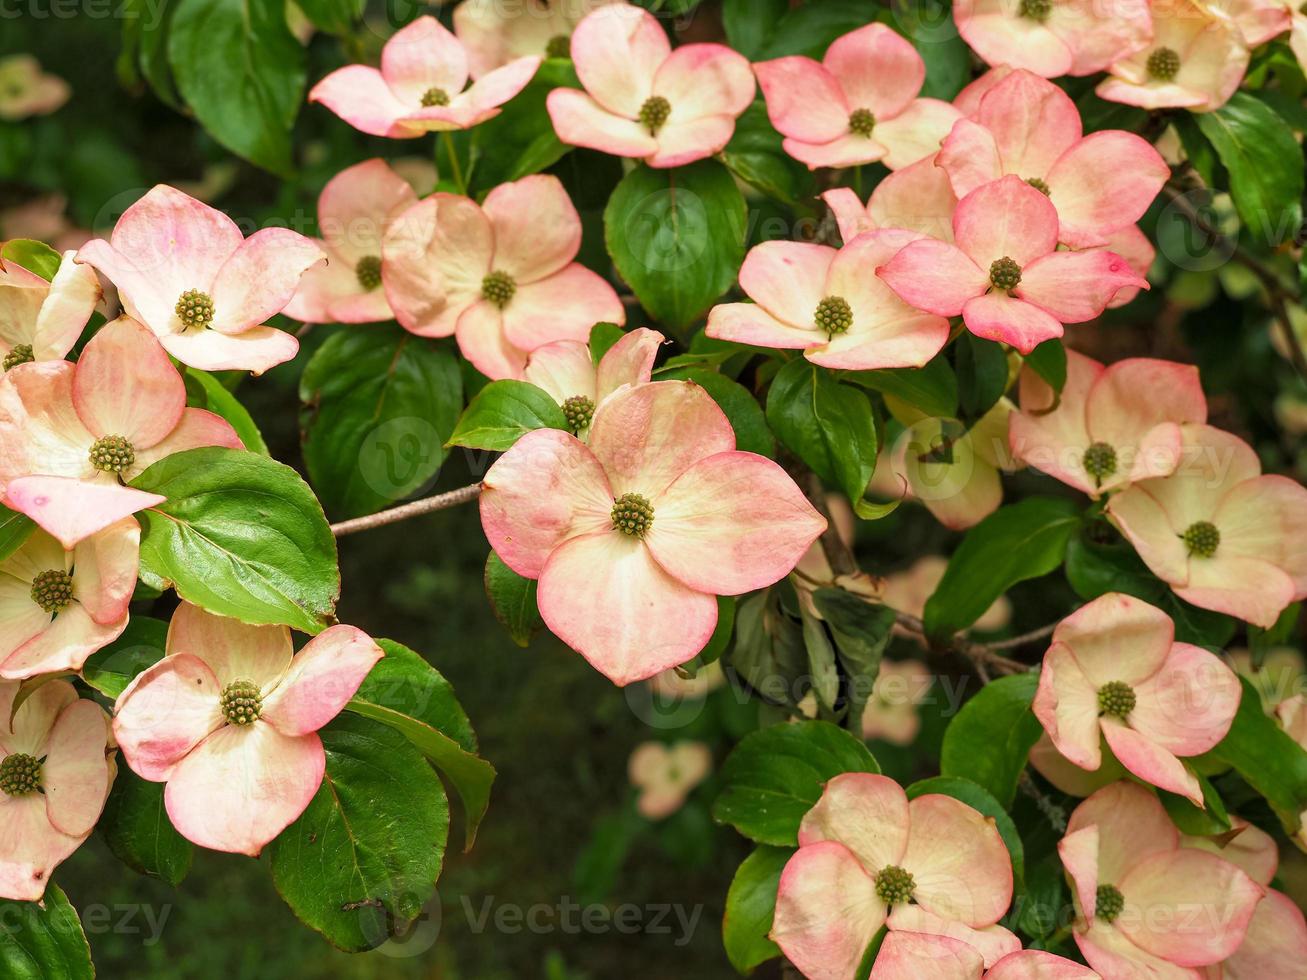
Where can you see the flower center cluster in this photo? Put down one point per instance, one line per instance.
(559, 46)
(435, 97)
(368, 271)
(195, 309)
(21, 354)
(894, 885)
(834, 315)
(632, 514)
(1039, 184)
(861, 123)
(1100, 461)
(242, 702)
(1202, 539)
(1109, 903)
(1005, 274)
(1036, 9)
(52, 590)
(112, 454)
(498, 288)
(1163, 64)
(654, 113)
(578, 410)
(19, 774)
(1116, 698)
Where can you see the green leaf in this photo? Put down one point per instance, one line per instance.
(777, 774)
(33, 256)
(990, 739)
(136, 827)
(43, 943)
(982, 375)
(141, 646)
(1198, 150)
(980, 799)
(145, 47)
(1265, 164)
(928, 24)
(810, 29)
(513, 599)
(15, 528)
(749, 23)
(746, 417)
(750, 907)
(1048, 360)
(1210, 821)
(1021, 541)
(242, 72)
(677, 237)
(240, 535)
(379, 405)
(363, 859)
(1260, 641)
(861, 631)
(603, 336)
(932, 389)
(207, 392)
(768, 651)
(822, 672)
(755, 155)
(504, 411)
(521, 141)
(339, 17)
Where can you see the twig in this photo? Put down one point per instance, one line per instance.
(418, 507)
(978, 653)
(1012, 642)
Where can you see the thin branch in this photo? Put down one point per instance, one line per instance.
(1012, 642)
(418, 507)
(978, 653)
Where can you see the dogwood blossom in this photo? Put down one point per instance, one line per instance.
(891, 712)
(918, 197)
(1275, 944)
(1053, 37)
(568, 372)
(40, 320)
(924, 957)
(664, 775)
(420, 87)
(26, 90)
(496, 32)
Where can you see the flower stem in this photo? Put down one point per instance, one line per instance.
(456, 169)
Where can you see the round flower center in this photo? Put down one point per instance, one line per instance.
(368, 271)
(1116, 698)
(498, 288)
(894, 885)
(632, 514)
(195, 309)
(1163, 64)
(1100, 461)
(52, 590)
(20, 774)
(1036, 9)
(242, 702)
(834, 315)
(559, 46)
(112, 454)
(1039, 184)
(654, 113)
(1109, 903)
(1004, 273)
(21, 354)
(1202, 539)
(578, 410)
(435, 97)
(861, 123)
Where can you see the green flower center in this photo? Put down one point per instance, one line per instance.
(21, 354)
(834, 315)
(20, 774)
(1004, 273)
(52, 590)
(1116, 698)
(1100, 461)
(195, 309)
(368, 271)
(498, 288)
(242, 702)
(559, 46)
(1039, 184)
(1108, 903)
(1036, 9)
(1163, 64)
(112, 454)
(632, 514)
(894, 885)
(578, 410)
(862, 122)
(654, 113)
(1202, 539)
(435, 97)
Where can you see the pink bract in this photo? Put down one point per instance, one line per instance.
(419, 88)
(26, 90)
(185, 270)
(1079, 37)
(229, 720)
(39, 320)
(665, 774)
(568, 372)
(497, 32)
(918, 197)
(644, 100)
(920, 956)
(697, 519)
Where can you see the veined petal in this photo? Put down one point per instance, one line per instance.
(959, 861)
(1033, 121)
(75, 775)
(1104, 182)
(866, 813)
(579, 120)
(104, 571)
(915, 133)
(683, 142)
(804, 101)
(788, 279)
(360, 96)
(1120, 413)
(849, 150)
(1035, 964)
(256, 350)
(877, 68)
(197, 428)
(1188, 705)
(1133, 825)
(1005, 219)
(917, 197)
(1109, 952)
(998, 316)
(421, 56)
(969, 157)
(322, 678)
(1054, 442)
(629, 361)
(492, 90)
(934, 276)
(165, 712)
(617, 51)
(63, 646)
(564, 306)
(701, 80)
(1117, 638)
(124, 385)
(926, 957)
(1077, 286)
(994, 32)
(564, 369)
(480, 334)
(75, 509)
(234, 651)
(536, 227)
(1150, 762)
(260, 278)
(990, 943)
(750, 323)
(357, 204)
(68, 305)
(1067, 706)
(1275, 944)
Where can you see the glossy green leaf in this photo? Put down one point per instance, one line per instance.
(932, 389)
(990, 739)
(521, 141)
(513, 599)
(750, 907)
(755, 155)
(602, 338)
(339, 17)
(15, 528)
(1048, 360)
(749, 24)
(982, 375)
(33, 256)
(504, 411)
(43, 943)
(810, 28)
(136, 827)
(1209, 821)
(141, 645)
(861, 632)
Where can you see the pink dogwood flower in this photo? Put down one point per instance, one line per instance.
(632, 536)
(185, 270)
(1247, 847)
(500, 276)
(891, 712)
(1004, 275)
(1053, 37)
(355, 209)
(858, 104)
(1114, 670)
(1135, 247)
(664, 775)
(496, 32)
(1223, 536)
(229, 720)
(868, 858)
(1111, 426)
(824, 302)
(58, 606)
(26, 90)
(1027, 126)
(1258, 21)
(644, 100)
(72, 434)
(1275, 944)
(567, 371)
(1146, 906)
(56, 767)
(420, 87)
(918, 197)
(920, 956)
(39, 320)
